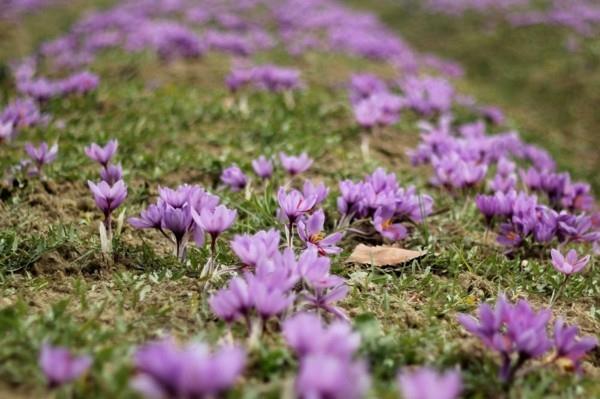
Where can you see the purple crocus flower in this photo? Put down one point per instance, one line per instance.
(234, 178)
(570, 263)
(268, 301)
(102, 155)
(511, 329)
(108, 197)
(111, 174)
(193, 371)
(427, 383)
(383, 222)
(310, 230)
(292, 205)
(569, 348)
(263, 167)
(327, 368)
(318, 191)
(306, 334)
(233, 302)
(60, 366)
(325, 289)
(326, 376)
(150, 218)
(214, 222)
(349, 201)
(499, 204)
(41, 155)
(295, 165)
(173, 212)
(251, 248)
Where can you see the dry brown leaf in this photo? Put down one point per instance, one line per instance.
(382, 255)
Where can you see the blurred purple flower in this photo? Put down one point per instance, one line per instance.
(112, 173)
(569, 347)
(295, 165)
(263, 167)
(60, 366)
(193, 371)
(427, 383)
(102, 155)
(234, 178)
(41, 155)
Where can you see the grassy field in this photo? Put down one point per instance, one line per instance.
(176, 124)
(549, 92)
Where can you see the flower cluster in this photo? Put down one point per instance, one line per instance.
(265, 77)
(519, 334)
(269, 286)
(235, 178)
(43, 89)
(184, 214)
(165, 369)
(389, 206)
(111, 191)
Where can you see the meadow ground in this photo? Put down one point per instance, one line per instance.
(177, 123)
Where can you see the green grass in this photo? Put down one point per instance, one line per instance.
(175, 124)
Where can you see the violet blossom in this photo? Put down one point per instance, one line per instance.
(515, 331)
(194, 371)
(104, 154)
(427, 383)
(61, 366)
(234, 178)
(570, 263)
(310, 231)
(41, 155)
(295, 165)
(263, 167)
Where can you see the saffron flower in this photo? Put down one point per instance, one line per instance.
(310, 230)
(150, 218)
(194, 371)
(214, 221)
(383, 222)
(326, 376)
(102, 155)
(108, 197)
(511, 330)
(60, 366)
(294, 204)
(263, 167)
(295, 165)
(111, 174)
(234, 178)
(427, 383)
(570, 263)
(319, 191)
(327, 367)
(173, 213)
(570, 349)
(251, 248)
(41, 155)
(306, 334)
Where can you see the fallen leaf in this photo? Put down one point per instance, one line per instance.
(382, 255)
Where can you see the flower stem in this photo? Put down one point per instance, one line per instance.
(556, 294)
